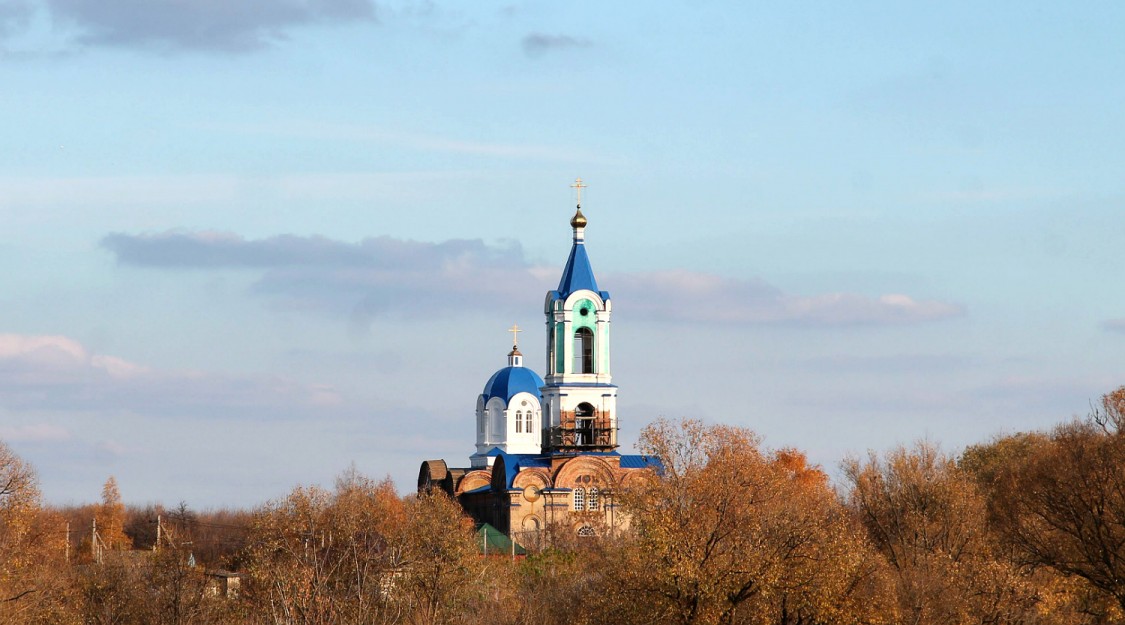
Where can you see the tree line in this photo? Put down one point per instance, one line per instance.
(1027, 528)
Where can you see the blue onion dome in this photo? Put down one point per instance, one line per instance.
(508, 381)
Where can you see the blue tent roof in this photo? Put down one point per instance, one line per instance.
(577, 274)
(511, 380)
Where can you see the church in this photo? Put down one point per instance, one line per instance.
(546, 447)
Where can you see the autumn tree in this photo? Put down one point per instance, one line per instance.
(177, 591)
(296, 570)
(32, 548)
(563, 582)
(728, 533)
(441, 573)
(1063, 506)
(361, 554)
(929, 520)
(109, 595)
(110, 518)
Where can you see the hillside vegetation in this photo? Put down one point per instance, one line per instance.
(1027, 528)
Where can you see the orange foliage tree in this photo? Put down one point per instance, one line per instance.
(929, 520)
(110, 516)
(1062, 506)
(32, 547)
(729, 533)
(361, 554)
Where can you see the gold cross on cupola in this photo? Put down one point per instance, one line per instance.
(515, 330)
(578, 186)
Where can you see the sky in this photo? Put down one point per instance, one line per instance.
(247, 244)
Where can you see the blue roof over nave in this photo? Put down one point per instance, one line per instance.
(578, 275)
(508, 381)
(514, 463)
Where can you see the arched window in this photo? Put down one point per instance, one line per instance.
(529, 424)
(551, 350)
(586, 531)
(583, 351)
(592, 499)
(579, 499)
(519, 422)
(496, 416)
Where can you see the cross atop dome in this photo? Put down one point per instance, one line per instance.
(578, 222)
(578, 186)
(577, 273)
(515, 358)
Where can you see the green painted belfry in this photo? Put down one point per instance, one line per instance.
(579, 400)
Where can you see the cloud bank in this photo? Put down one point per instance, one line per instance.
(59, 373)
(384, 275)
(372, 278)
(218, 25)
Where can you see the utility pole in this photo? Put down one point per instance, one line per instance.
(94, 542)
(156, 545)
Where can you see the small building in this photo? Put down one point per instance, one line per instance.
(222, 583)
(546, 447)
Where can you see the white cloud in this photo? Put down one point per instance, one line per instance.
(686, 296)
(110, 448)
(34, 433)
(60, 354)
(17, 346)
(59, 373)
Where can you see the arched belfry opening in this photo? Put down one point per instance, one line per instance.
(584, 429)
(583, 350)
(584, 425)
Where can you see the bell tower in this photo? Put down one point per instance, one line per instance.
(580, 402)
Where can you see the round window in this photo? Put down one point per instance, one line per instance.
(531, 493)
